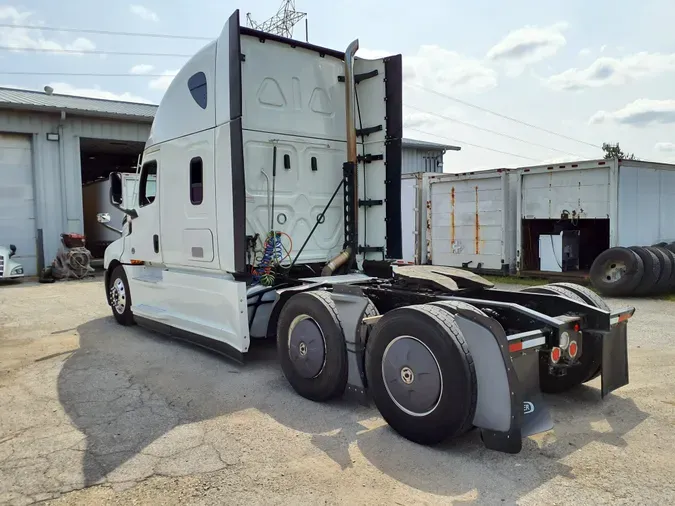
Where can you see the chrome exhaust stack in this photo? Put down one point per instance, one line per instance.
(349, 169)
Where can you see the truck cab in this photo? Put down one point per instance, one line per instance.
(249, 144)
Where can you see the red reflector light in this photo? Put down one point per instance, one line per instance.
(515, 347)
(574, 349)
(576, 327)
(555, 354)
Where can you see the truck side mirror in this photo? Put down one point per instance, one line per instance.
(12, 250)
(115, 179)
(103, 217)
(116, 194)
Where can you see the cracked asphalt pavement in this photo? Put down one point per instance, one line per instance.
(95, 413)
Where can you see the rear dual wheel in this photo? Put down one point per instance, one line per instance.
(421, 374)
(419, 370)
(311, 345)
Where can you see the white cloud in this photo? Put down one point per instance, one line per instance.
(665, 147)
(142, 68)
(607, 71)
(445, 71)
(144, 13)
(527, 45)
(585, 52)
(162, 83)
(602, 48)
(34, 39)
(96, 92)
(640, 113)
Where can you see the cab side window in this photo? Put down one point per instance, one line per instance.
(147, 184)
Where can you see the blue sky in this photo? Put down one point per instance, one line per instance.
(596, 71)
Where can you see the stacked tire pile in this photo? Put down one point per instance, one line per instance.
(638, 271)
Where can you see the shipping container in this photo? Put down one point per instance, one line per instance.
(470, 220)
(583, 208)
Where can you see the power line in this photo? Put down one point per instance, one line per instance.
(80, 74)
(104, 32)
(89, 51)
(474, 145)
(448, 118)
(500, 115)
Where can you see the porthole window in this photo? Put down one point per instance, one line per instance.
(197, 87)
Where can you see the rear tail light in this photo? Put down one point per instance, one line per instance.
(573, 349)
(555, 354)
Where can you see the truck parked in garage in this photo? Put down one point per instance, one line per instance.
(276, 214)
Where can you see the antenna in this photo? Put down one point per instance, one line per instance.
(282, 22)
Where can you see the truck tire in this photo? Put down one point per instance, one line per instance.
(311, 346)
(617, 272)
(119, 297)
(652, 271)
(421, 347)
(671, 247)
(590, 360)
(671, 284)
(663, 283)
(589, 296)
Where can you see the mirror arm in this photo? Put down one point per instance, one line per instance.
(112, 228)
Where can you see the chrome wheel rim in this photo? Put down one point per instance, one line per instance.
(118, 296)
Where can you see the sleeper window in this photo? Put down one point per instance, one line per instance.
(148, 184)
(198, 89)
(196, 181)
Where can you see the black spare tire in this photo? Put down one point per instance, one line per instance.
(617, 272)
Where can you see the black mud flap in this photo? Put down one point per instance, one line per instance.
(615, 358)
(536, 415)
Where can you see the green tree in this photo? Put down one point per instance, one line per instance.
(615, 151)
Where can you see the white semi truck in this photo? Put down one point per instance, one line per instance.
(276, 214)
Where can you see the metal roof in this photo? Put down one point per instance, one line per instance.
(18, 99)
(413, 143)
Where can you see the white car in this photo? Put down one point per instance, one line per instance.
(9, 269)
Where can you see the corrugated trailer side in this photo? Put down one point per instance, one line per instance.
(646, 203)
(609, 202)
(471, 220)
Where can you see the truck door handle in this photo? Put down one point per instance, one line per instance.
(155, 242)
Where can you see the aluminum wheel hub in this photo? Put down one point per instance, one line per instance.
(118, 296)
(306, 346)
(412, 376)
(614, 271)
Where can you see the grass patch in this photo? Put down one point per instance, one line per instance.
(515, 280)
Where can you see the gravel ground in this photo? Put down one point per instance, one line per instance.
(94, 413)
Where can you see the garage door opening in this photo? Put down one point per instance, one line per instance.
(99, 158)
(17, 200)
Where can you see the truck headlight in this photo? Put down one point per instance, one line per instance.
(16, 270)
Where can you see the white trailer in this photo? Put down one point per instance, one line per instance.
(591, 206)
(471, 220)
(276, 212)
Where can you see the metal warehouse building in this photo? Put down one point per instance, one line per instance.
(52, 145)
(423, 156)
